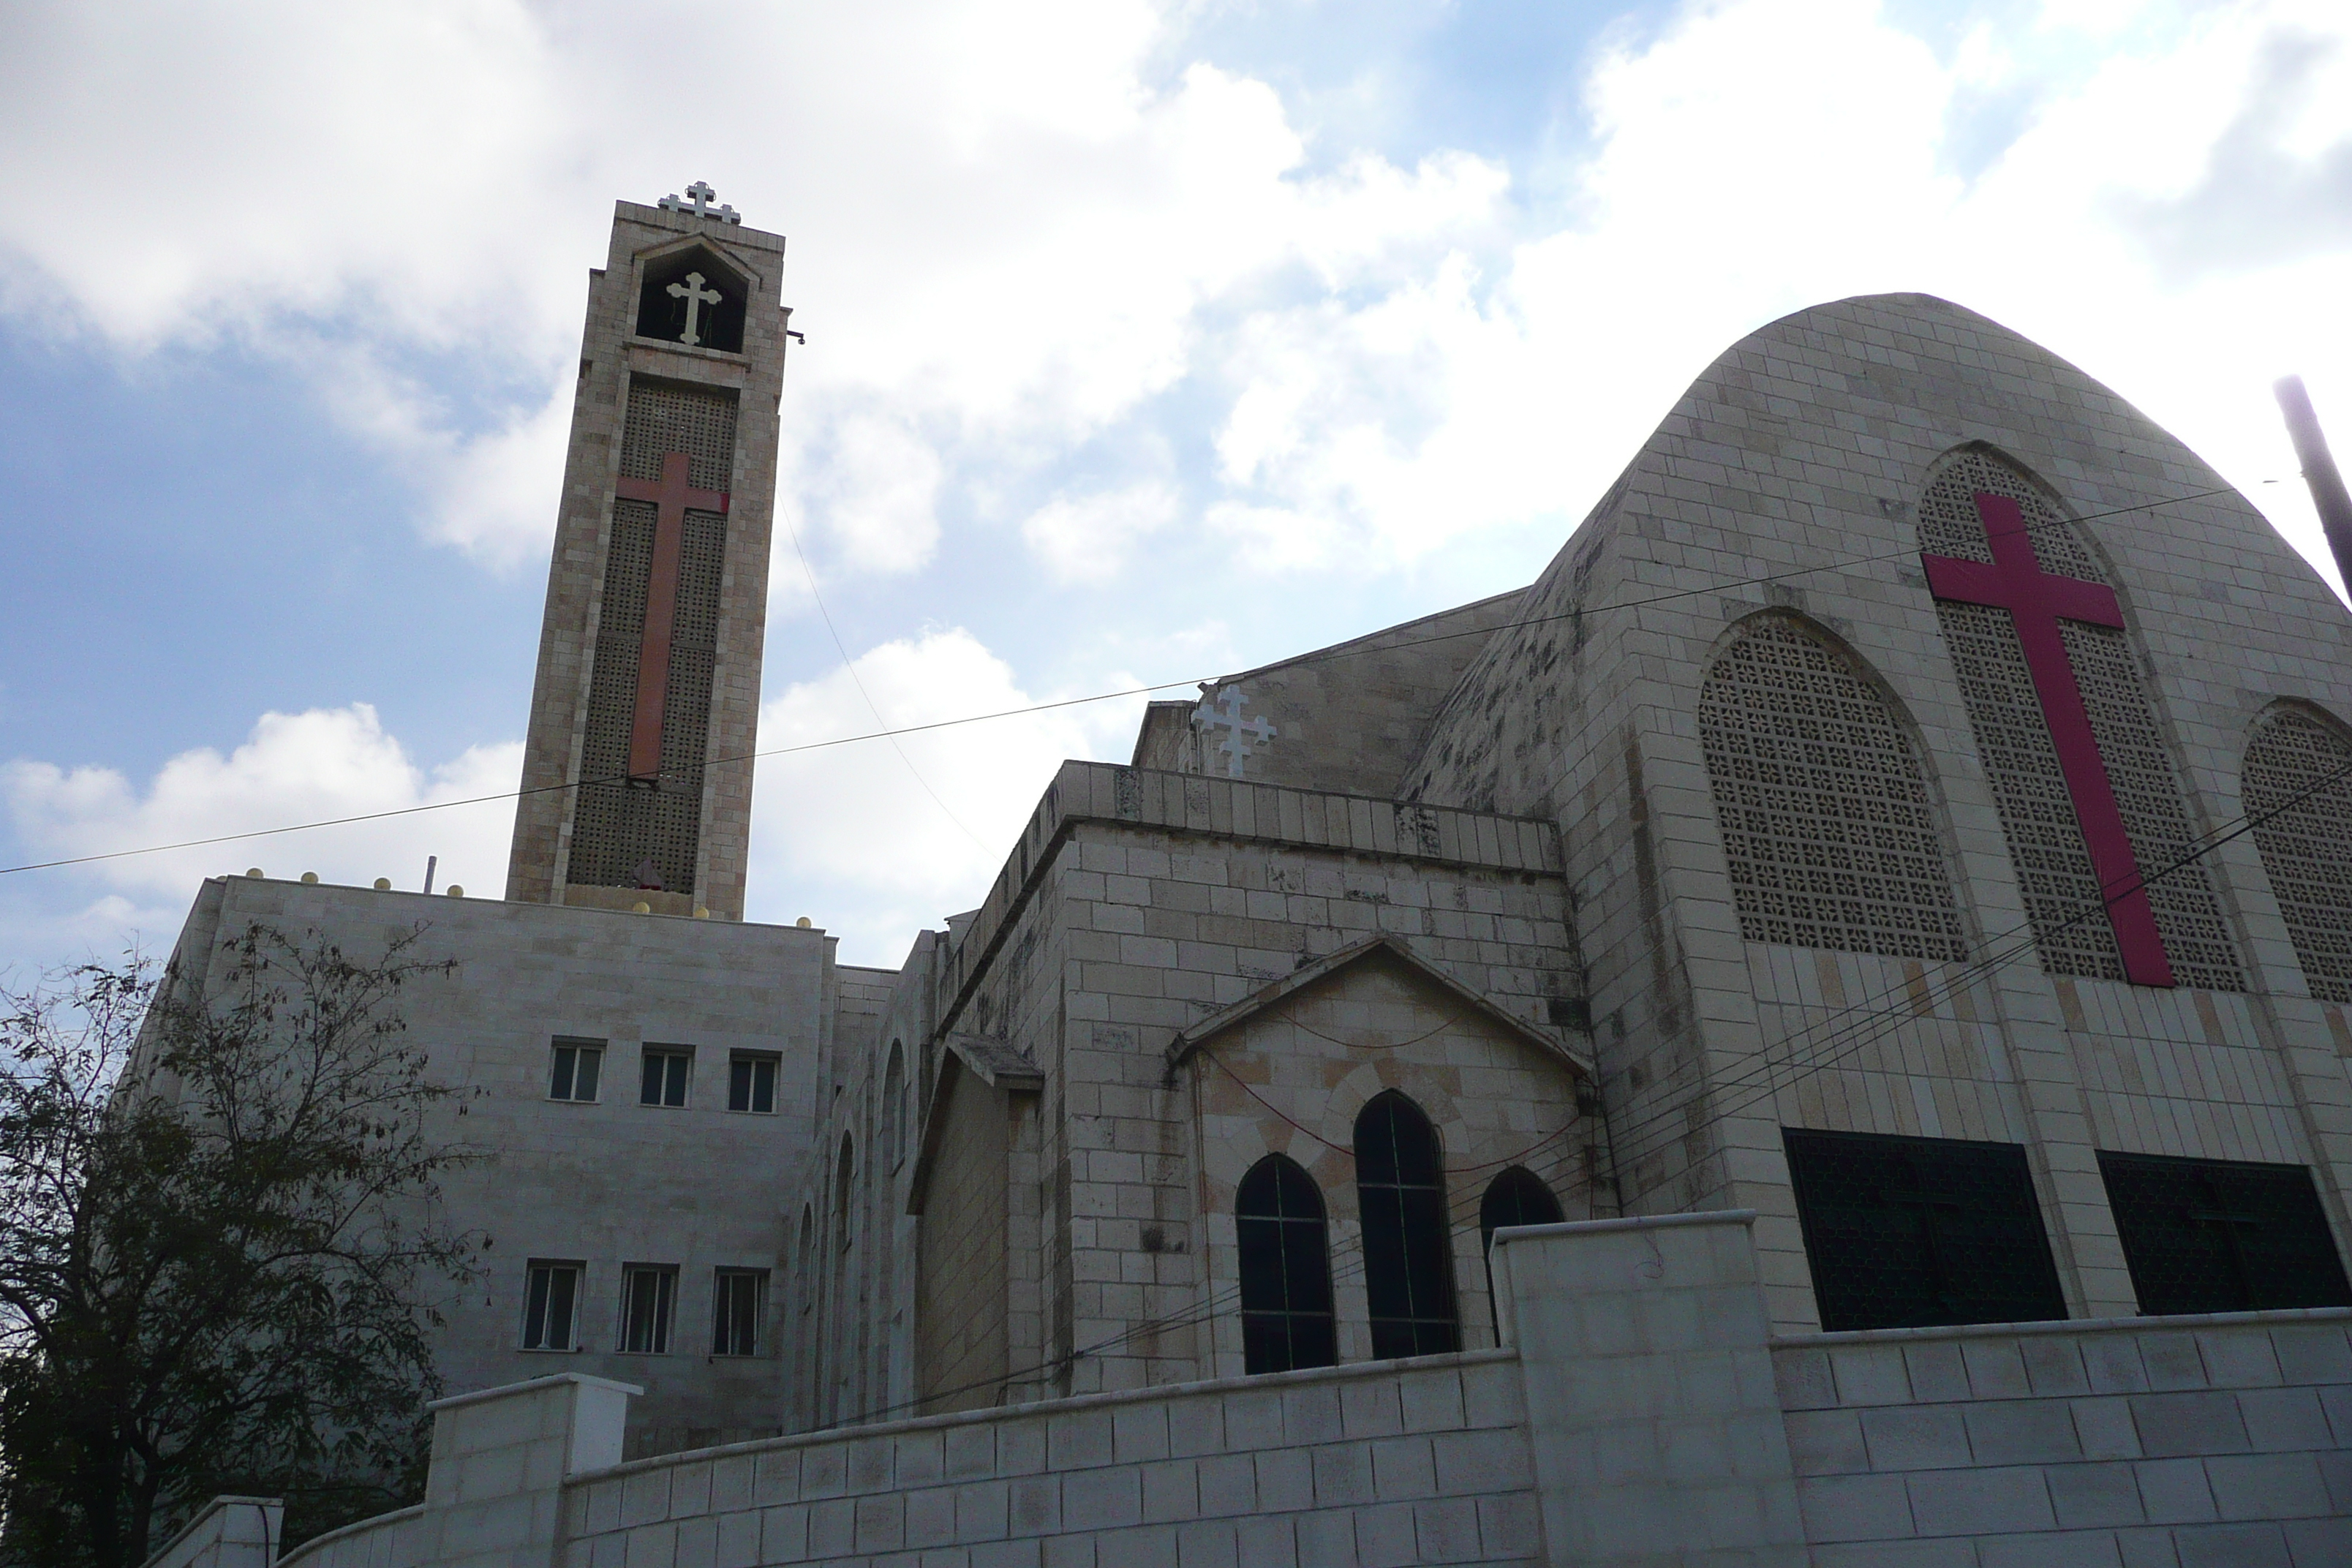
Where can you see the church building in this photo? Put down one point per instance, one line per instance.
(1910, 821)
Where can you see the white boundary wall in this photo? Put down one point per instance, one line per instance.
(1642, 1415)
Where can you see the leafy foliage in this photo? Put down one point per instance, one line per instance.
(219, 1220)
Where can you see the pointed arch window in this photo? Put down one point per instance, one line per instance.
(1518, 1196)
(2296, 786)
(894, 1108)
(1827, 828)
(1408, 1257)
(1285, 1264)
(2040, 819)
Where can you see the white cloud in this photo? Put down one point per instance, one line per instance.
(874, 490)
(1756, 158)
(296, 767)
(1003, 231)
(1090, 537)
(850, 837)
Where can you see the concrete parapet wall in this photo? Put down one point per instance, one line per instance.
(1651, 1415)
(1640, 1416)
(1391, 1463)
(2133, 1441)
(394, 1540)
(231, 1532)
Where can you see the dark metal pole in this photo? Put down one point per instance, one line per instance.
(2319, 471)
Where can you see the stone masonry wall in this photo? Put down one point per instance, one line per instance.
(1788, 477)
(1349, 718)
(602, 1184)
(1640, 1416)
(2178, 1441)
(959, 1351)
(1379, 1464)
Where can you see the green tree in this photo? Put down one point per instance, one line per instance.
(219, 1238)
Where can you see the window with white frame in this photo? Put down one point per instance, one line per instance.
(551, 1302)
(665, 1071)
(573, 1069)
(738, 1297)
(648, 1306)
(752, 1082)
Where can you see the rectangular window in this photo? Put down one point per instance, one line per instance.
(648, 1304)
(576, 1065)
(752, 1082)
(1906, 1233)
(2223, 1236)
(665, 1076)
(547, 1316)
(737, 1296)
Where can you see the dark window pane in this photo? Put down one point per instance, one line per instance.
(649, 1092)
(560, 1084)
(534, 1319)
(1515, 1197)
(674, 1080)
(736, 1328)
(1286, 1269)
(738, 1084)
(584, 1087)
(1920, 1232)
(647, 1310)
(1407, 1258)
(2223, 1236)
(558, 1308)
(547, 1315)
(763, 1085)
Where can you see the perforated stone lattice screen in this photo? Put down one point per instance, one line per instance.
(617, 825)
(606, 821)
(1825, 816)
(665, 419)
(2037, 812)
(2296, 786)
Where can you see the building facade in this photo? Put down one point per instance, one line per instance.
(1911, 812)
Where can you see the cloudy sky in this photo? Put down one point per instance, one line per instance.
(1145, 341)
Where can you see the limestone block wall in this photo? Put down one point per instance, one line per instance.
(1349, 718)
(1136, 903)
(2139, 1441)
(1642, 1415)
(607, 1183)
(231, 1532)
(1651, 1415)
(1788, 478)
(1387, 1463)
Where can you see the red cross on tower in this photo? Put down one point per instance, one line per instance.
(2036, 601)
(671, 495)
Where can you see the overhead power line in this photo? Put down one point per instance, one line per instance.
(890, 733)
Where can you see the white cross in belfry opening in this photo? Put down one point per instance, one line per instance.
(697, 202)
(695, 296)
(1225, 712)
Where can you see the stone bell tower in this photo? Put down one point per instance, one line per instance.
(636, 769)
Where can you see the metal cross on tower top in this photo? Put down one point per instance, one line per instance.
(697, 199)
(695, 296)
(1225, 712)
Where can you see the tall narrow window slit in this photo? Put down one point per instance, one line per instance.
(1408, 1255)
(1286, 1267)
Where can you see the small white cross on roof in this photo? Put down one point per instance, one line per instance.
(697, 200)
(1225, 712)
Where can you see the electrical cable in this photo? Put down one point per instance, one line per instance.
(1325, 655)
(850, 666)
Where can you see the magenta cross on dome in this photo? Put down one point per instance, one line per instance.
(2036, 601)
